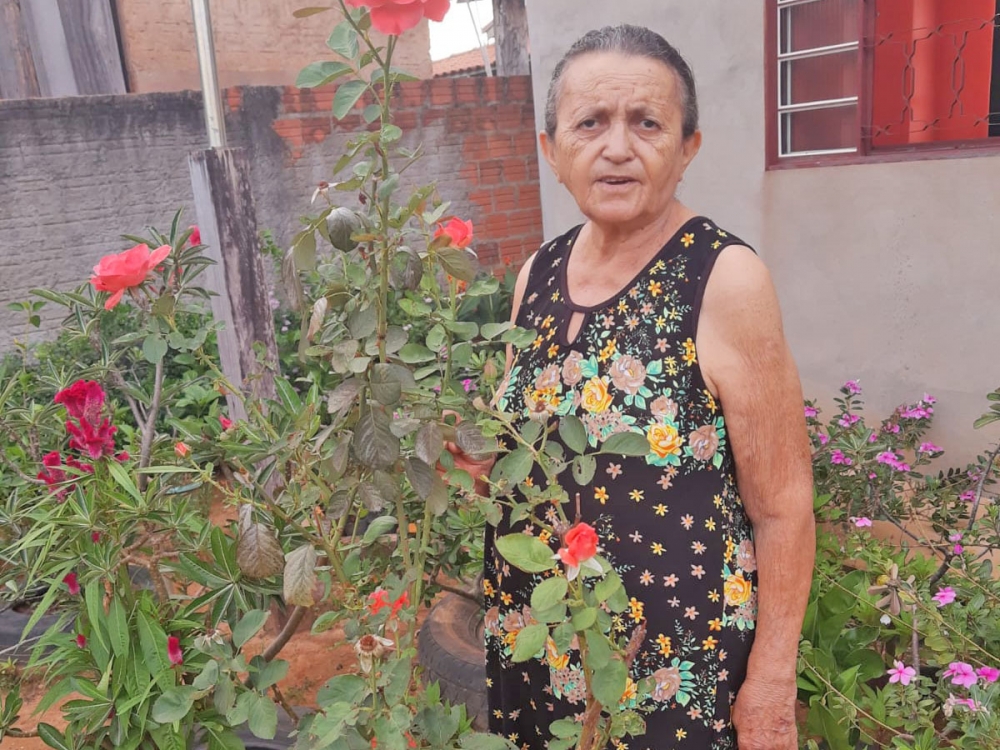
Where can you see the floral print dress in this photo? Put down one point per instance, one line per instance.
(671, 522)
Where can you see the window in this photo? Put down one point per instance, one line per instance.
(853, 78)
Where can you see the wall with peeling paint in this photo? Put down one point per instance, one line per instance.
(76, 173)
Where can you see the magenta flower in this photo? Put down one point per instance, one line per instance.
(468, 385)
(811, 412)
(988, 674)
(174, 652)
(226, 423)
(823, 438)
(72, 584)
(944, 596)
(90, 434)
(958, 549)
(848, 420)
(81, 641)
(861, 522)
(929, 399)
(901, 673)
(873, 438)
(967, 496)
(54, 474)
(955, 537)
(852, 387)
(838, 457)
(961, 674)
(930, 448)
(95, 536)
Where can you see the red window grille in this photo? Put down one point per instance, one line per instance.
(850, 78)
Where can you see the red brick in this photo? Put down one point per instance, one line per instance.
(482, 199)
(514, 171)
(442, 92)
(529, 194)
(500, 146)
(491, 92)
(496, 225)
(505, 198)
(524, 143)
(467, 90)
(490, 172)
(519, 88)
(469, 172)
(411, 93)
(234, 97)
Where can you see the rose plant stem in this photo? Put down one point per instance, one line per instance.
(150, 426)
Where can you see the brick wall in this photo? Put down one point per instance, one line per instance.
(76, 173)
(257, 42)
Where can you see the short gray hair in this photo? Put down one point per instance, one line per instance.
(633, 41)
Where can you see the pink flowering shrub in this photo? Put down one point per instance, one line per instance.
(901, 643)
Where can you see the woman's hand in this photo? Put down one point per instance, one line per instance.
(478, 468)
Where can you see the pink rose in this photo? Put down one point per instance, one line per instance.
(122, 271)
(457, 231)
(397, 16)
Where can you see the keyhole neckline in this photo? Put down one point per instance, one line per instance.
(564, 270)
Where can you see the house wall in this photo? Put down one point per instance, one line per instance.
(886, 272)
(257, 42)
(76, 173)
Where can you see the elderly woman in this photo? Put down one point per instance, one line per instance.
(652, 318)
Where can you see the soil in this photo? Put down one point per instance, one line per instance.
(313, 659)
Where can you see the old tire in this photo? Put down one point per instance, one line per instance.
(450, 650)
(14, 617)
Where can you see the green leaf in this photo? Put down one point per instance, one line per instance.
(174, 704)
(300, 576)
(530, 641)
(249, 626)
(606, 587)
(310, 11)
(124, 480)
(321, 73)
(526, 553)
(345, 688)
(549, 592)
(153, 641)
(53, 737)
(626, 444)
(428, 485)
(598, 653)
(154, 348)
(583, 468)
(374, 444)
(584, 619)
(385, 384)
(263, 717)
(378, 527)
(344, 40)
(515, 467)
(118, 630)
(609, 683)
(346, 97)
(492, 330)
(391, 133)
(457, 263)
(483, 741)
(573, 433)
(429, 443)
(413, 354)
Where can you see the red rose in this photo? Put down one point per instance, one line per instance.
(174, 652)
(581, 545)
(397, 16)
(117, 273)
(458, 231)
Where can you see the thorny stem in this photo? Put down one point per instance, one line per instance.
(149, 428)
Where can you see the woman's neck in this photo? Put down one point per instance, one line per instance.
(602, 243)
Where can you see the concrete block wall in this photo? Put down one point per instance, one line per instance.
(76, 173)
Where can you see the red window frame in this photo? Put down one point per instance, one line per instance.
(865, 153)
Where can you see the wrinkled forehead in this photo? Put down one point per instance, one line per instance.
(619, 81)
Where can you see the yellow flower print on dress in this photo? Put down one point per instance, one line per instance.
(688, 239)
(553, 657)
(595, 397)
(665, 444)
(737, 589)
(690, 356)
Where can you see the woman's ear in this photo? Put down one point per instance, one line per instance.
(549, 152)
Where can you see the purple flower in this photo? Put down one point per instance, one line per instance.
(958, 549)
(838, 457)
(848, 420)
(917, 412)
(861, 521)
(944, 596)
(929, 448)
(823, 438)
(852, 387)
(468, 385)
(901, 673)
(961, 674)
(811, 412)
(929, 399)
(872, 438)
(956, 537)
(968, 496)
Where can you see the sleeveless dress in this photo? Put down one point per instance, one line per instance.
(671, 523)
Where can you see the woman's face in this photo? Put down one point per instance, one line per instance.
(619, 146)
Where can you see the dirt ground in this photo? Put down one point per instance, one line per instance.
(313, 660)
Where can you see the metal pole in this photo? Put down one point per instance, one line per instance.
(215, 121)
(482, 44)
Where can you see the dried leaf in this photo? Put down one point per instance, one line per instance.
(258, 552)
(300, 576)
(374, 444)
(430, 443)
(317, 318)
(343, 396)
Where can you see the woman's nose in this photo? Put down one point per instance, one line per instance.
(618, 142)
